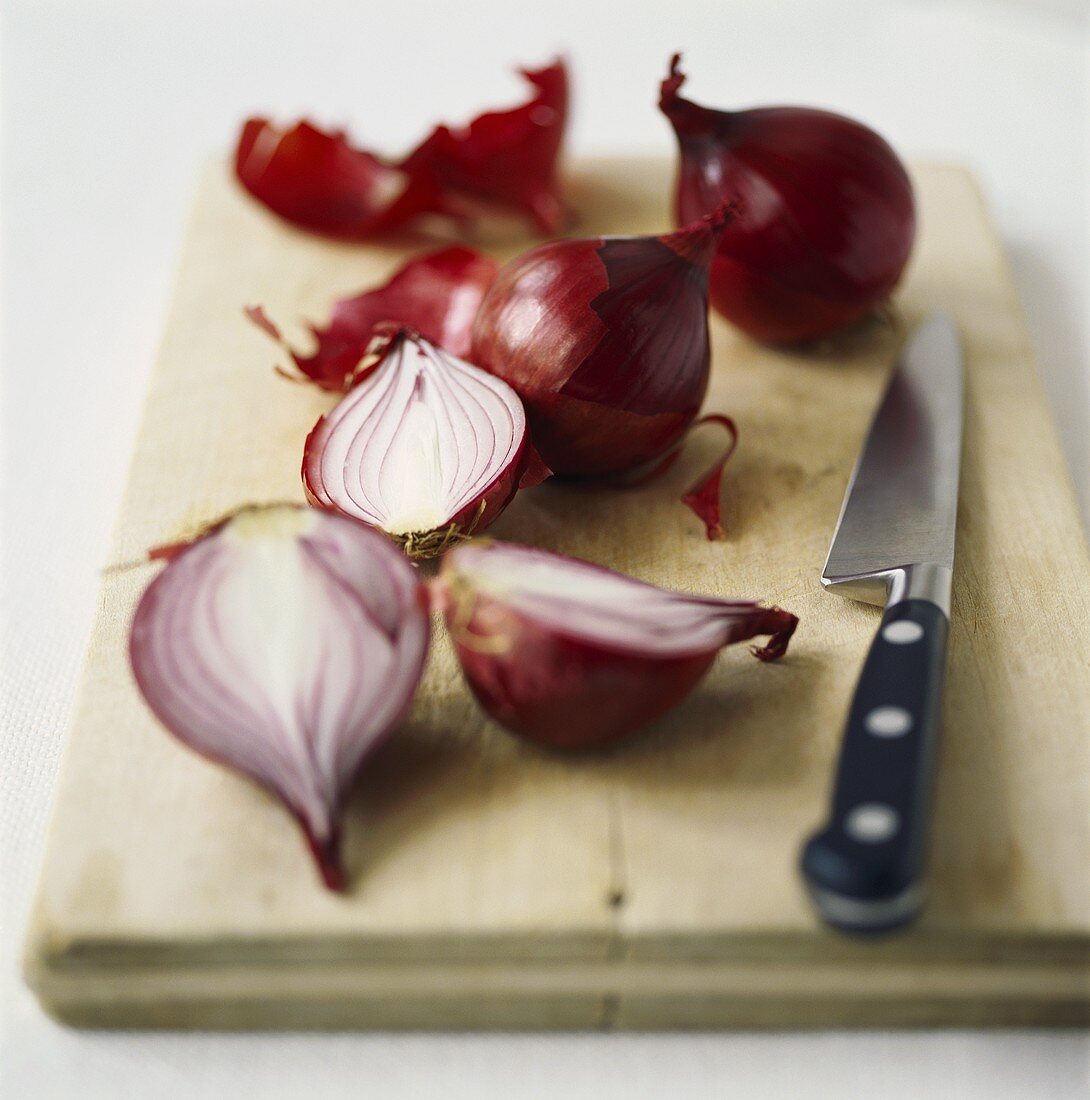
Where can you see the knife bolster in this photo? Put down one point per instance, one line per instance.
(926, 581)
(923, 581)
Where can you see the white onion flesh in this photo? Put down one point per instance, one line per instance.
(285, 644)
(418, 444)
(595, 604)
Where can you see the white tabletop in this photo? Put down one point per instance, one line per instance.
(109, 105)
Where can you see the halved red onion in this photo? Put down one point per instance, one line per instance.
(427, 447)
(285, 643)
(437, 294)
(506, 159)
(572, 655)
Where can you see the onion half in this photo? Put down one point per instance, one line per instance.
(427, 447)
(285, 643)
(572, 655)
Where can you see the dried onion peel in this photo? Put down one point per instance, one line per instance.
(502, 159)
(437, 294)
(506, 159)
(318, 181)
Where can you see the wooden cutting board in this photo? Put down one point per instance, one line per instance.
(494, 885)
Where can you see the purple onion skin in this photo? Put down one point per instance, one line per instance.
(562, 693)
(827, 217)
(436, 294)
(606, 342)
(561, 690)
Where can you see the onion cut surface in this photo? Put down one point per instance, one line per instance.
(285, 643)
(427, 447)
(573, 655)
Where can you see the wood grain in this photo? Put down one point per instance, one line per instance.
(498, 886)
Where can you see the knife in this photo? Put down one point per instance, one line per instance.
(894, 546)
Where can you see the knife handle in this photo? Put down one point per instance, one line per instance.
(864, 868)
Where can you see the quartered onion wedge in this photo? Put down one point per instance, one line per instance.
(572, 655)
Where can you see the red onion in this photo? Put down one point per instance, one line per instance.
(827, 217)
(504, 159)
(427, 447)
(572, 655)
(437, 294)
(285, 643)
(606, 342)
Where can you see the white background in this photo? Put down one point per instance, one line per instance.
(107, 109)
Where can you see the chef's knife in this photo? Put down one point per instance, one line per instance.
(894, 546)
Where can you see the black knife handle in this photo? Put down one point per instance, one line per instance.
(864, 868)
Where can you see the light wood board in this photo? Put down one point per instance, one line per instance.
(494, 885)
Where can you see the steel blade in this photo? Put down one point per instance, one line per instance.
(900, 506)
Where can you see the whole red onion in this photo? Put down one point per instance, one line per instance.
(606, 342)
(827, 220)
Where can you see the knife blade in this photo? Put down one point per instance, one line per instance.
(893, 545)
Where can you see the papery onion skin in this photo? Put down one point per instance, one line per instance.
(702, 497)
(316, 180)
(319, 181)
(286, 644)
(355, 489)
(437, 294)
(606, 342)
(828, 218)
(507, 158)
(561, 689)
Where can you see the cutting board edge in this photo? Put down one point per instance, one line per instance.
(608, 996)
(54, 953)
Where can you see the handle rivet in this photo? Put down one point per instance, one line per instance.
(888, 721)
(902, 632)
(872, 822)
